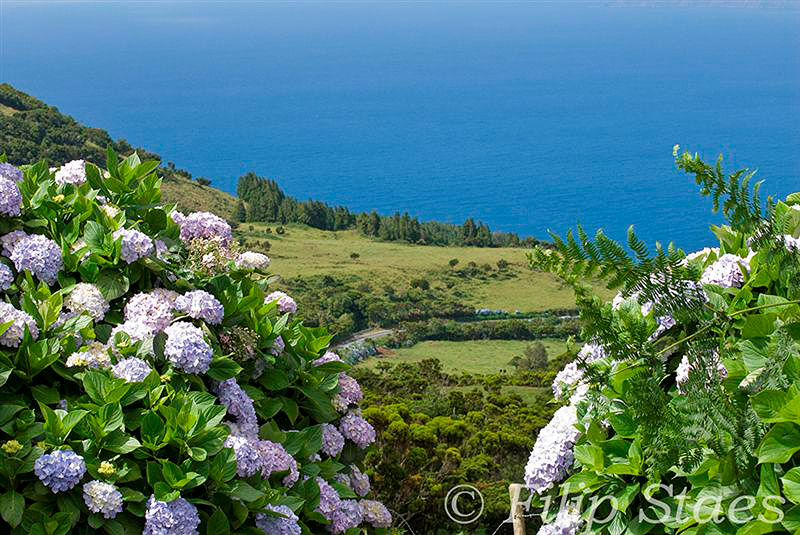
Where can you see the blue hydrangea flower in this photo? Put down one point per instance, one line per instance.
(11, 240)
(359, 481)
(10, 198)
(332, 440)
(6, 277)
(567, 522)
(101, 497)
(174, 518)
(239, 405)
(96, 356)
(248, 454)
(73, 172)
(200, 304)
(357, 429)
(285, 302)
(13, 335)
(329, 356)
(135, 244)
(552, 455)
(274, 458)
(132, 369)
(60, 470)
(376, 514)
(277, 346)
(205, 225)
(136, 331)
(186, 348)
(39, 255)
(86, 297)
(10, 172)
(727, 271)
(349, 393)
(154, 309)
(346, 516)
(273, 525)
(329, 499)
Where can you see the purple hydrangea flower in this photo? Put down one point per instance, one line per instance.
(6, 277)
(39, 255)
(571, 374)
(552, 453)
(174, 518)
(376, 514)
(154, 309)
(285, 302)
(132, 369)
(86, 297)
(239, 404)
(96, 356)
(200, 304)
(136, 331)
(186, 348)
(347, 515)
(9, 172)
(790, 242)
(567, 522)
(10, 198)
(359, 481)
(13, 336)
(357, 429)
(205, 225)
(73, 172)
(329, 356)
(102, 498)
(277, 346)
(11, 240)
(248, 454)
(252, 260)
(332, 440)
(349, 393)
(274, 525)
(726, 272)
(274, 458)
(135, 244)
(329, 499)
(60, 470)
(177, 217)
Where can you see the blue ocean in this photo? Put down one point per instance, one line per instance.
(527, 115)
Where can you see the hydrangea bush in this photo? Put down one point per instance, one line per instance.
(682, 414)
(152, 382)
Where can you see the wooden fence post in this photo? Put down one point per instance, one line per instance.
(517, 509)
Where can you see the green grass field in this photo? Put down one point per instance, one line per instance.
(474, 356)
(307, 251)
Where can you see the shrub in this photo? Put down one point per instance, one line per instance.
(146, 379)
(686, 400)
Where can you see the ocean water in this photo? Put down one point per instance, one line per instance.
(529, 116)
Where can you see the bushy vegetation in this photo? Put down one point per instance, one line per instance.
(149, 380)
(682, 415)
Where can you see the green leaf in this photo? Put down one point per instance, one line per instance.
(94, 234)
(12, 505)
(112, 284)
(274, 379)
(223, 368)
(791, 485)
(218, 524)
(245, 492)
(780, 443)
(758, 325)
(778, 406)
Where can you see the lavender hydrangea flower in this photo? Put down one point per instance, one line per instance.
(248, 454)
(101, 497)
(359, 481)
(205, 225)
(132, 369)
(177, 217)
(285, 302)
(349, 393)
(60, 470)
(347, 515)
(252, 260)
(136, 331)
(110, 210)
(567, 522)
(11, 240)
(701, 254)
(200, 304)
(329, 356)
(13, 336)
(357, 429)
(96, 356)
(174, 518)
(726, 271)
(10, 198)
(685, 368)
(9, 172)
(274, 458)
(274, 525)
(154, 309)
(329, 499)
(552, 453)
(567, 378)
(6, 277)
(332, 440)
(73, 172)
(186, 348)
(39, 255)
(135, 244)
(239, 404)
(277, 346)
(376, 514)
(790, 242)
(86, 297)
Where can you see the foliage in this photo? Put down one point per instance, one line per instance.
(697, 387)
(162, 435)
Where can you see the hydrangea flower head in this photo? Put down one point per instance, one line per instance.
(349, 393)
(200, 304)
(376, 514)
(186, 348)
(135, 244)
(285, 302)
(359, 481)
(102, 498)
(61, 470)
(11, 240)
(205, 225)
(357, 429)
(154, 309)
(135, 329)
(726, 271)
(567, 522)
(10, 198)
(275, 525)
(6, 277)
(10, 172)
(96, 356)
(73, 172)
(252, 260)
(174, 518)
(39, 255)
(274, 458)
(248, 454)
(86, 297)
(14, 334)
(277, 346)
(332, 440)
(239, 405)
(552, 453)
(132, 369)
(348, 515)
(329, 499)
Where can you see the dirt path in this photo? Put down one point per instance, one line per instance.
(367, 334)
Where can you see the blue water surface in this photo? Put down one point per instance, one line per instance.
(529, 116)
